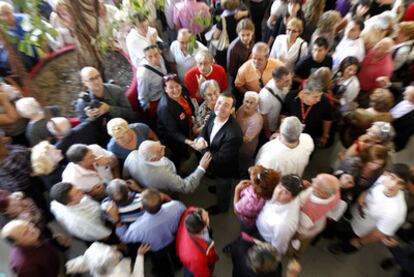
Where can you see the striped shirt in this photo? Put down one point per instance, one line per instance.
(128, 213)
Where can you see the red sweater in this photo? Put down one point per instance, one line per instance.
(195, 254)
(190, 79)
(409, 13)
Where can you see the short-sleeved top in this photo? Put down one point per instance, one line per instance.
(306, 66)
(141, 130)
(384, 213)
(321, 111)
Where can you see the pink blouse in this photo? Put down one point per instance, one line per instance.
(249, 206)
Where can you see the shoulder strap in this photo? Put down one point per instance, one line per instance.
(153, 70)
(274, 94)
(402, 46)
(204, 250)
(300, 52)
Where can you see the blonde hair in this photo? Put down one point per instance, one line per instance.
(117, 126)
(295, 23)
(328, 21)
(313, 10)
(407, 29)
(28, 107)
(381, 100)
(41, 164)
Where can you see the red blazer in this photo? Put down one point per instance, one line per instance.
(196, 255)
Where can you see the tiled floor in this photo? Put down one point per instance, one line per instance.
(317, 261)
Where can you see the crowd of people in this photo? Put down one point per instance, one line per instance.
(244, 103)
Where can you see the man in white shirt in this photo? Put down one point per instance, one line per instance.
(351, 44)
(183, 55)
(78, 213)
(289, 152)
(380, 211)
(279, 218)
(271, 98)
(139, 37)
(90, 168)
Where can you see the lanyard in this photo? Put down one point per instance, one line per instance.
(304, 114)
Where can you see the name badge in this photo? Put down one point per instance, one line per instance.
(182, 116)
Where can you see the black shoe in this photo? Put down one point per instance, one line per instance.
(213, 210)
(212, 189)
(341, 248)
(387, 264)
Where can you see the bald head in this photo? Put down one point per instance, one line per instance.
(325, 185)
(409, 94)
(151, 151)
(92, 79)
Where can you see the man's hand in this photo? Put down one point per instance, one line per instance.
(104, 108)
(294, 266)
(200, 144)
(113, 212)
(143, 248)
(92, 113)
(63, 239)
(205, 160)
(390, 241)
(133, 185)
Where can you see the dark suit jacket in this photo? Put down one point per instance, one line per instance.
(224, 147)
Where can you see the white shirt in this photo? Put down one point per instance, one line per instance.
(84, 178)
(277, 223)
(184, 62)
(288, 56)
(384, 213)
(269, 105)
(277, 156)
(216, 127)
(348, 47)
(83, 220)
(136, 43)
(403, 53)
(351, 90)
(401, 109)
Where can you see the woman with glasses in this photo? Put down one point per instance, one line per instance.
(290, 47)
(175, 115)
(209, 91)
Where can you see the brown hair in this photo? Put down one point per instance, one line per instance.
(374, 152)
(407, 29)
(245, 24)
(264, 181)
(381, 100)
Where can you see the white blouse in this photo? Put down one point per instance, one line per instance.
(289, 56)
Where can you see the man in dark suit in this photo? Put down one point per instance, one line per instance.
(403, 116)
(223, 137)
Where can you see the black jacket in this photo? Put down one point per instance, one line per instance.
(224, 147)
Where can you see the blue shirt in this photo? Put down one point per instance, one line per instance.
(156, 229)
(140, 129)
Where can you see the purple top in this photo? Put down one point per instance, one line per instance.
(343, 6)
(43, 260)
(249, 206)
(185, 12)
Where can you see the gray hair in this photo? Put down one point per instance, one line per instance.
(59, 126)
(117, 190)
(252, 94)
(261, 47)
(384, 130)
(206, 84)
(145, 150)
(28, 107)
(291, 128)
(313, 85)
(204, 54)
(100, 259)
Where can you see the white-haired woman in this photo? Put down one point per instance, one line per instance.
(46, 163)
(103, 260)
(251, 123)
(209, 91)
(36, 130)
(127, 137)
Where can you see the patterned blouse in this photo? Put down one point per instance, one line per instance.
(249, 206)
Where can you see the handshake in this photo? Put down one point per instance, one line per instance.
(197, 144)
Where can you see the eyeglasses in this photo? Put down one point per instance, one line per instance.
(292, 30)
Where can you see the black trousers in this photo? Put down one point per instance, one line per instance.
(257, 11)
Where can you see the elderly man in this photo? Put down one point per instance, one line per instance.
(222, 136)
(289, 152)
(150, 73)
(377, 63)
(180, 50)
(403, 118)
(102, 99)
(150, 168)
(278, 221)
(30, 254)
(379, 213)
(312, 108)
(206, 69)
(271, 98)
(320, 201)
(254, 74)
(140, 37)
(78, 213)
(90, 168)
